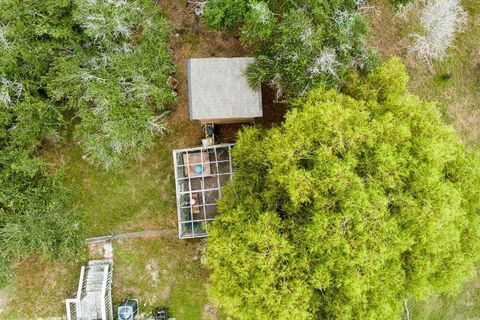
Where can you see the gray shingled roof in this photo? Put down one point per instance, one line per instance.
(218, 89)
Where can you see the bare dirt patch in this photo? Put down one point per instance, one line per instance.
(210, 312)
(3, 300)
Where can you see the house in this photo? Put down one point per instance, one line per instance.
(218, 91)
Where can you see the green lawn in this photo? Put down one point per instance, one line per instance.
(463, 306)
(161, 271)
(40, 287)
(140, 197)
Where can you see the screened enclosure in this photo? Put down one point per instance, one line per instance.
(200, 173)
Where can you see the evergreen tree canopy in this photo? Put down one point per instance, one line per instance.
(352, 205)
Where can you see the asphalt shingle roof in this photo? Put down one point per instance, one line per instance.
(218, 89)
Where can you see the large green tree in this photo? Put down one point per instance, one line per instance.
(354, 204)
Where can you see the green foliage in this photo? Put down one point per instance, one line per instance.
(351, 206)
(36, 216)
(104, 64)
(107, 61)
(225, 14)
(259, 23)
(400, 4)
(302, 43)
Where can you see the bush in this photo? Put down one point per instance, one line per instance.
(36, 214)
(351, 206)
(302, 43)
(259, 23)
(224, 14)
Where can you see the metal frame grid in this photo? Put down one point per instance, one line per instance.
(204, 188)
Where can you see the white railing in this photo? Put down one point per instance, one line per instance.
(109, 297)
(106, 294)
(72, 305)
(82, 282)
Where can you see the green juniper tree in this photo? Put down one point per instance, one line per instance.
(354, 204)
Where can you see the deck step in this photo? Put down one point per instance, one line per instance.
(103, 262)
(94, 289)
(94, 273)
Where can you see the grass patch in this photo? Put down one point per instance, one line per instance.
(192, 39)
(140, 197)
(40, 287)
(465, 305)
(164, 271)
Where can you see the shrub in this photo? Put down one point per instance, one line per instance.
(302, 43)
(259, 23)
(36, 215)
(224, 14)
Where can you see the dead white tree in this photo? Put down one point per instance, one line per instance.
(441, 21)
(9, 91)
(197, 7)
(363, 6)
(4, 43)
(326, 62)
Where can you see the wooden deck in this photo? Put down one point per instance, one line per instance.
(93, 300)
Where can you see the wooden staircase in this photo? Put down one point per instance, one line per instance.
(94, 293)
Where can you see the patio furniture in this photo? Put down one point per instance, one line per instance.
(198, 164)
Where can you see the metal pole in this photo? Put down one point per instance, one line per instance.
(405, 309)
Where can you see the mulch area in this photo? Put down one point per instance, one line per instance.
(273, 113)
